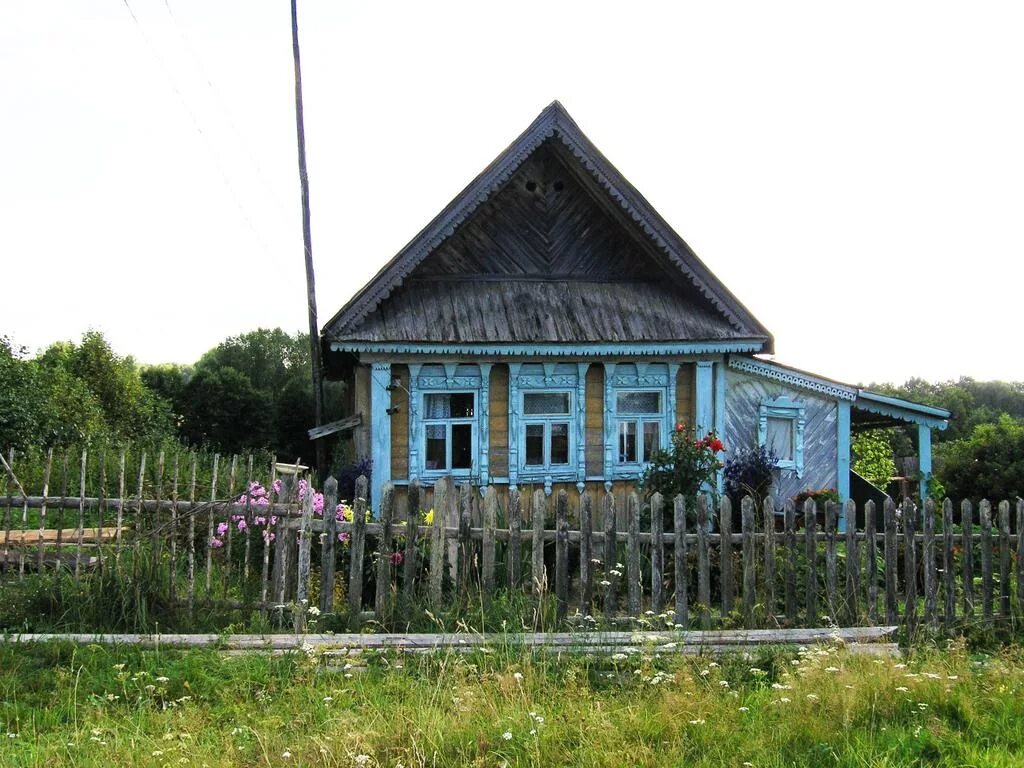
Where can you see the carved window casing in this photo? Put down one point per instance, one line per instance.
(780, 427)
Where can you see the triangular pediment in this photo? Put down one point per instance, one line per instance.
(549, 216)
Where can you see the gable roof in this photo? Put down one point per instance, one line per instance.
(365, 316)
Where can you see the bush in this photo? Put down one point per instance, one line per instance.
(683, 469)
(749, 473)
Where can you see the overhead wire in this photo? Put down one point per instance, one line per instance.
(199, 129)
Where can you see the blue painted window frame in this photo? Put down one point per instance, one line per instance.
(473, 421)
(661, 418)
(448, 378)
(793, 410)
(528, 471)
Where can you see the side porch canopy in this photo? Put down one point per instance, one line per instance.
(871, 410)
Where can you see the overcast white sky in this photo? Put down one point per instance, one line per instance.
(853, 172)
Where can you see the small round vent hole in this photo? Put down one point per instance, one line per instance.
(531, 186)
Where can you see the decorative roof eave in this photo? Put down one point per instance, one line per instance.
(794, 377)
(633, 349)
(903, 410)
(552, 120)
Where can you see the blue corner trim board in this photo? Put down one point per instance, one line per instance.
(924, 457)
(843, 459)
(720, 419)
(553, 350)
(705, 397)
(380, 426)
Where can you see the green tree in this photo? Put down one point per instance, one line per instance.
(873, 457)
(226, 412)
(987, 464)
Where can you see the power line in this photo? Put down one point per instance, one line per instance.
(199, 129)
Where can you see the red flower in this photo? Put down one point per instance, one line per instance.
(680, 427)
(717, 445)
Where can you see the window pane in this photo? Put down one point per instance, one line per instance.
(652, 438)
(630, 403)
(559, 443)
(457, 405)
(534, 444)
(627, 441)
(780, 437)
(462, 405)
(462, 446)
(436, 447)
(437, 407)
(537, 403)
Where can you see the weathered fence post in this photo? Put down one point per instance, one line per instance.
(118, 526)
(811, 555)
(412, 530)
(487, 557)
(81, 520)
(586, 555)
(227, 519)
(330, 539)
(703, 563)
(610, 553)
(249, 520)
(727, 585)
(465, 543)
(891, 553)
(967, 555)
(302, 571)
(657, 552)
(387, 513)
(562, 554)
(281, 540)
(681, 577)
(749, 575)
(266, 576)
(1020, 555)
(831, 560)
(538, 512)
(768, 511)
(40, 549)
(1004, 559)
(871, 559)
(789, 538)
(948, 566)
(358, 544)
(444, 489)
(633, 591)
(209, 518)
(985, 512)
(852, 563)
(931, 586)
(910, 565)
(515, 539)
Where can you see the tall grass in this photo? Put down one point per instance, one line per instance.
(94, 706)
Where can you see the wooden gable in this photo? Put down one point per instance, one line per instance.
(549, 245)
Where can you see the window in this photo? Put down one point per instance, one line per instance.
(781, 429)
(448, 420)
(546, 419)
(639, 419)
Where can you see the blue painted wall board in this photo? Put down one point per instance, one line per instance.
(380, 424)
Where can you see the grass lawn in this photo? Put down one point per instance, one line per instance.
(62, 705)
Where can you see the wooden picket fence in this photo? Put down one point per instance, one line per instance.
(703, 567)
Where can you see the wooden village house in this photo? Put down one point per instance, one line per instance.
(548, 329)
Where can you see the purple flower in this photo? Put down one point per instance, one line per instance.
(216, 543)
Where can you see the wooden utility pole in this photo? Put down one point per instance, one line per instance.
(314, 331)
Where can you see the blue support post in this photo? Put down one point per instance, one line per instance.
(380, 426)
(843, 459)
(720, 418)
(484, 419)
(705, 398)
(924, 458)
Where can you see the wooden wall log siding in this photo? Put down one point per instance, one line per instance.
(594, 459)
(686, 394)
(498, 438)
(400, 424)
(361, 395)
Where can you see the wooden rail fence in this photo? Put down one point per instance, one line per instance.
(701, 567)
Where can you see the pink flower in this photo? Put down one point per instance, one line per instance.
(216, 543)
(222, 528)
(242, 524)
(344, 536)
(277, 487)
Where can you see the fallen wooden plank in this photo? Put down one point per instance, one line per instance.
(737, 638)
